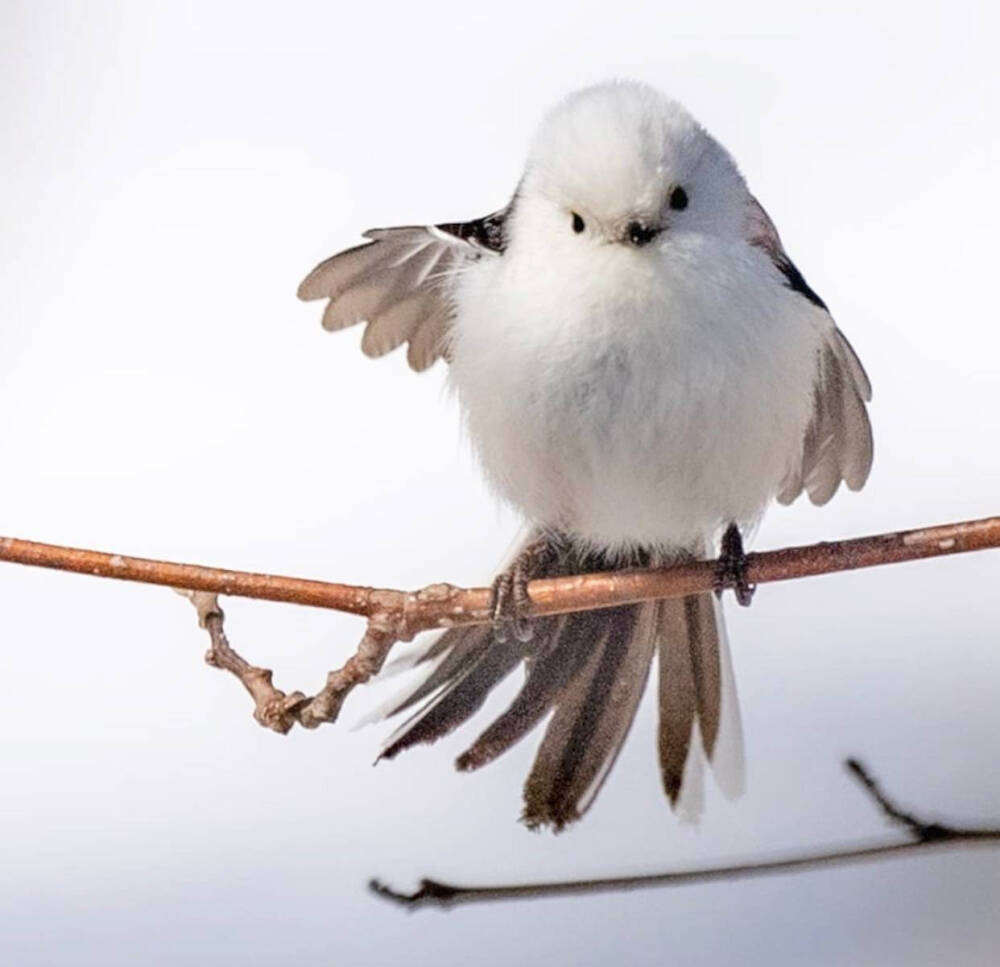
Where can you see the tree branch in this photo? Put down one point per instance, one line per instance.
(399, 615)
(442, 605)
(923, 836)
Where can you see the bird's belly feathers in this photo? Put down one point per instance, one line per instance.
(650, 424)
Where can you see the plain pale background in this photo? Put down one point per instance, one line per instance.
(168, 173)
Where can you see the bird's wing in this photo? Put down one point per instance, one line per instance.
(838, 440)
(399, 283)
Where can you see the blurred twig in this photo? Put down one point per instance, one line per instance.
(399, 615)
(923, 835)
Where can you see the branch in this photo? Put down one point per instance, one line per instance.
(923, 836)
(399, 615)
(442, 605)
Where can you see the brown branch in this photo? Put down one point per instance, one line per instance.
(272, 708)
(923, 836)
(399, 615)
(404, 614)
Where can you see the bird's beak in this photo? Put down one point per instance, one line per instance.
(639, 233)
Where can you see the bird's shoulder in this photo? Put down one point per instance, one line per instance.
(762, 234)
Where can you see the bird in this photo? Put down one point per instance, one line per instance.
(642, 370)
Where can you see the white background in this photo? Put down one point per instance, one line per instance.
(168, 173)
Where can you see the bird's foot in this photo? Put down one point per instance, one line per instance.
(511, 604)
(731, 567)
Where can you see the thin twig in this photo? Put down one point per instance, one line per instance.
(920, 830)
(923, 836)
(273, 708)
(365, 663)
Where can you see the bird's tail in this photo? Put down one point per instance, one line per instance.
(589, 670)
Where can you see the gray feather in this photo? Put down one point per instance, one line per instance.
(336, 273)
(429, 340)
(837, 444)
(399, 284)
(838, 441)
(678, 702)
(462, 698)
(591, 721)
(588, 670)
(549, 673)
(392, 325)
(703, 642)
(461, 648)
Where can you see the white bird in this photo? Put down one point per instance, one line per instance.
(641, 369)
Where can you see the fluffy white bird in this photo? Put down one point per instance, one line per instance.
(641, 369)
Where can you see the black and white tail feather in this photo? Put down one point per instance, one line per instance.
(586, 673)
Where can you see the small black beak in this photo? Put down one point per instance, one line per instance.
(639, 234)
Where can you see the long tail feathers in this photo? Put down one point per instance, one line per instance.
(690, 683)
(460, 698)
(589, 669)
(591, 720)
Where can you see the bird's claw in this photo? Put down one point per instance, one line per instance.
(510, 605)
(731, 567)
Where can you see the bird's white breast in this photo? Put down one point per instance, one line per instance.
(635, 401)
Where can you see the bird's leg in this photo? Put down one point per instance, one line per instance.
(731, 567)
(511, 603)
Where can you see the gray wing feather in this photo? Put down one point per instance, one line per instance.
(838, 441)
(399, 283)
(429, 339)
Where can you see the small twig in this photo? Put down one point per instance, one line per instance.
(273, 708)
(358, 669)
(923, 836)
(919, 830)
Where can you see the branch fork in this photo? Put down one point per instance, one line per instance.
(921, 835)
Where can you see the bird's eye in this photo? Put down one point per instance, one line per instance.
(578, 224)
(678, 199)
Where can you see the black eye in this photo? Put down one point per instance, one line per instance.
(678, 199)
(578, 225)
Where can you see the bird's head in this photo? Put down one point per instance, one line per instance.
(619, 166)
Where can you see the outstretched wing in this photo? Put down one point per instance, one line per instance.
(399, 283)
(838, 441)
